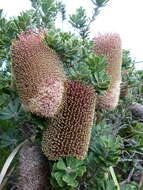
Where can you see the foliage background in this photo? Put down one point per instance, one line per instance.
(116, 141)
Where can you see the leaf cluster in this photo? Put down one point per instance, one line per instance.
(129, 75)
(79, 61)
(81, 22)
(104, 152)
(66, 172)
(46, 11)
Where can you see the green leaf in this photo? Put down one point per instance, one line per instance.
(70, 181)
(80, 171)
(61, 165)
(58, 176)
(12, 110)
(101, 3)
(73, 162)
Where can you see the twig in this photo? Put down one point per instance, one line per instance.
(129, 176)
(96, 12)
(129, 160)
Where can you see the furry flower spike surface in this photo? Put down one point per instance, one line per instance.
(109, 45)
(69, 132)
(39, 74)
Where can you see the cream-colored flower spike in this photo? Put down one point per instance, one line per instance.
(39, 74)
(109, 45)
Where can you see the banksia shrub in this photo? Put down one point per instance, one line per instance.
(109, 45)
(69, 132)
(38, 73)
(33, 168)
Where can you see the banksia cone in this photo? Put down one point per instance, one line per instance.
(33, 168)
(109, 45)
(39, 74)
(69, 132)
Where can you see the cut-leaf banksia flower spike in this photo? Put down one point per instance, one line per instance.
(109, 45)
(33, 168)
(70, 130)
(39, 74)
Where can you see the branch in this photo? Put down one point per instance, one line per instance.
(129, 176)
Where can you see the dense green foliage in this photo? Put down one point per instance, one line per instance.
(116, 141)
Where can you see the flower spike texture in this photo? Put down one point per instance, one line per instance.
(69, 132)
(39, 74)
(33, 168)
(109, 45)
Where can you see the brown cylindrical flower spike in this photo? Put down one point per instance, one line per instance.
(69, 132)
(39, 74)
(109, 45)
(33, 168)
